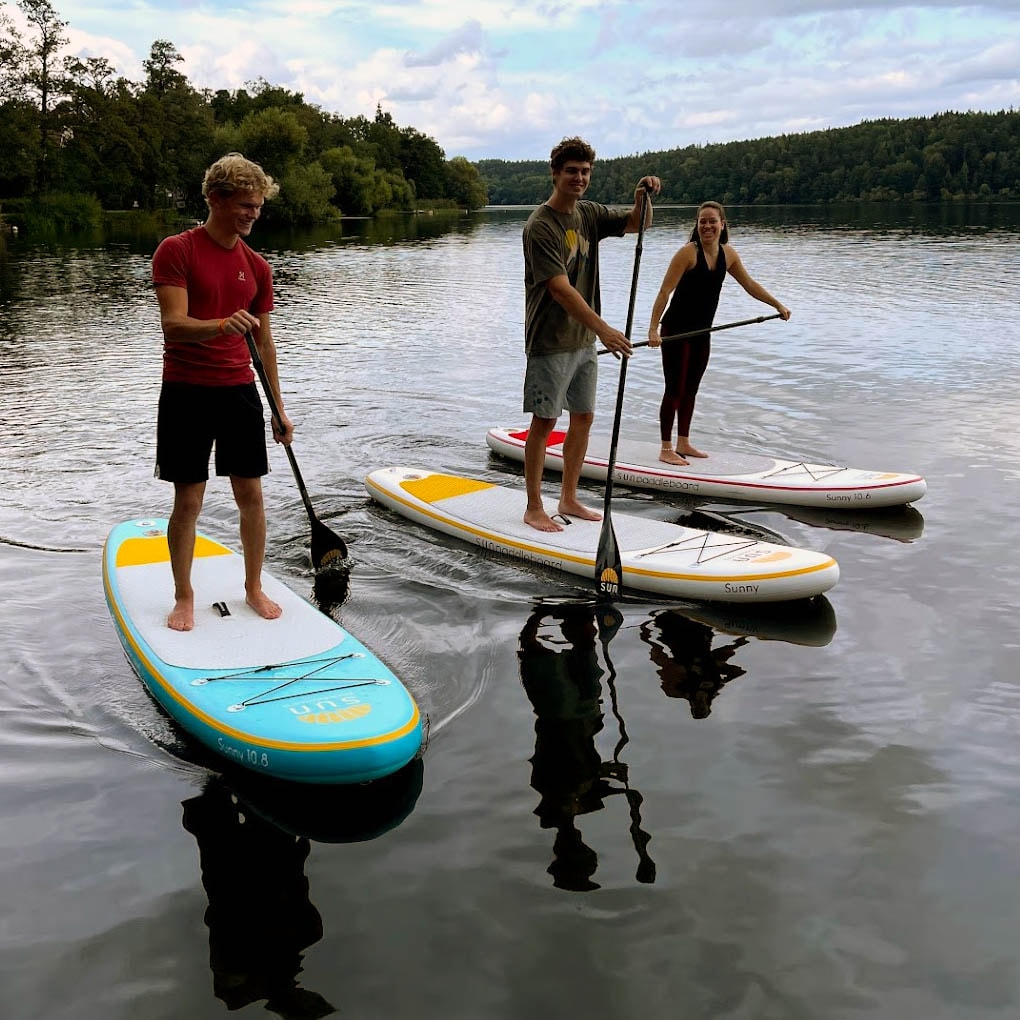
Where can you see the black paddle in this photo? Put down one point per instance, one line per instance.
(608, 568)
(711, 329)
(327, 546)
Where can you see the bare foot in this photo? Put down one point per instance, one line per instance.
(572, 508)
(671, 457)
(182, 616)
(541, 521)
(263, 605)
(690, 451)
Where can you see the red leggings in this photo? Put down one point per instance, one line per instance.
(683, 364)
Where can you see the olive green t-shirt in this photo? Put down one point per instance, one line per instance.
(563, 244)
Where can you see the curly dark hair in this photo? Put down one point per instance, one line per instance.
(571, 148)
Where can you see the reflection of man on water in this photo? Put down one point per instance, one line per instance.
(561, 674)
(687, 664)
(259, 917)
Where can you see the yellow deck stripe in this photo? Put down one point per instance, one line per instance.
(135, 552)
(435, 487)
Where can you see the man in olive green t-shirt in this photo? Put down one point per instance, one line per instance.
(562, 319)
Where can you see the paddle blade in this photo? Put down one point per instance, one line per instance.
(328, 548)
(608, 568)
(331, 588)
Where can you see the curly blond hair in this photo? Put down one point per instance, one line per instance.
(233, 172)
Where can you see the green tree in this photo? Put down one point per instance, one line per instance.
(42, 76)
(305, 194)
(176, 129)
(101, 153)
(353, 179)
(422, 162)
(464, 184)
(274, 138)
(12, 57)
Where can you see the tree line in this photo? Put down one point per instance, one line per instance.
(76, 139)
(945, 157)
(77, 136)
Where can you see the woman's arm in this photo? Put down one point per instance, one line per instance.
(736, 269)
(682, 261)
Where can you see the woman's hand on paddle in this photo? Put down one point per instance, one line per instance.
(784, 312)
(654, 338)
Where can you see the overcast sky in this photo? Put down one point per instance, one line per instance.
(509, 78)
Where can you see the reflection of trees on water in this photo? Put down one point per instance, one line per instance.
(260, 918)
(562, 676)
(686, 661)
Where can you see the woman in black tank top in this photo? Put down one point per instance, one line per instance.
(694, 279)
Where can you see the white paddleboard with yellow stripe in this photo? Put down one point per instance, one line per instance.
(726, 474)
(297, 698)
(658, 557)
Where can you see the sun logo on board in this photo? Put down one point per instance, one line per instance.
(336, 715)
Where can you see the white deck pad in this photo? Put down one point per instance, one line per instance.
(238, 640)
(727, 474)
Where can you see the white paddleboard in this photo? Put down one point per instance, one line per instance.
(657, 557)
(726, 475)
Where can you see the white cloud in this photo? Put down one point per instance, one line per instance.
(508, 78)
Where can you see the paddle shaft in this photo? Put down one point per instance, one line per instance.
(274, 410)
(607, 555)
(325, 543)
(701, 332)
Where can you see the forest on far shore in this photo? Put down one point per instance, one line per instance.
(78, 140)
(943, 158)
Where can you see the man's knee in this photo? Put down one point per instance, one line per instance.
(541, 427)
(188, 501)
(248, 494)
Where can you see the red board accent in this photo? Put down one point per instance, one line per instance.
(556, 437)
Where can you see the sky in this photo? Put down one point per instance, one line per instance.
(506, 79)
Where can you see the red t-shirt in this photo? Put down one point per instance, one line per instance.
(219, 281)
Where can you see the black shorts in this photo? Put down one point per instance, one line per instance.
(194, 419)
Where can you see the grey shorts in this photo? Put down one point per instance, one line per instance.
(554, 383)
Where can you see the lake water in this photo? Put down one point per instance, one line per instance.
(793, 813)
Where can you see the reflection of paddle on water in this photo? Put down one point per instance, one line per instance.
(609, 623)
(561, 674)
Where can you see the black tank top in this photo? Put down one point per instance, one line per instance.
(696, 298)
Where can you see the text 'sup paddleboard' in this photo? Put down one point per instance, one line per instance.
(722, 475)
(658, 557)
(297, 698)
